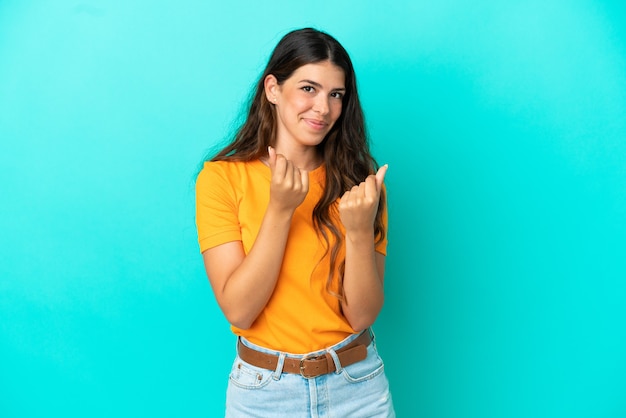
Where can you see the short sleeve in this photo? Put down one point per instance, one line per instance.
(216, 207)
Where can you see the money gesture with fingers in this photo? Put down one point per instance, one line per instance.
(359, 205)
(289, 185)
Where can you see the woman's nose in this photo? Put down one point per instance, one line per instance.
(321, 105)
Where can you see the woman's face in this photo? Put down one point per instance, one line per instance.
(307, 104)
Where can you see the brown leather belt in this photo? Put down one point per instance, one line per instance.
(306, 366)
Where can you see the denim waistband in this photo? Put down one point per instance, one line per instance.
(334, 347)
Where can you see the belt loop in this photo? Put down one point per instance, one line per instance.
(371, 331)
(279, 366)
(338, 366)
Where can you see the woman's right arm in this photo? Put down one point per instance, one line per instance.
(243, 284)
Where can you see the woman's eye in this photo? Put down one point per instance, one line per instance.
(308, 89)
(337, 95)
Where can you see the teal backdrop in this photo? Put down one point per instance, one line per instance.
(504, 126)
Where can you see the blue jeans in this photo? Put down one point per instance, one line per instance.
(357, 390)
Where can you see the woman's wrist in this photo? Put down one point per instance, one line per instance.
(361, 237)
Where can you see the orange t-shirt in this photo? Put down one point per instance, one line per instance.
(301, 315)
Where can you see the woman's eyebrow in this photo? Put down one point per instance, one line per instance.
(316, 84)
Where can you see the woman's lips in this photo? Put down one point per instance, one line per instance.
(316, 124)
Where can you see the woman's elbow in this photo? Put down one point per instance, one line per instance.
(241, 320)
(362, 324)
(362, 321)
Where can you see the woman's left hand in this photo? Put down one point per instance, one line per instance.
(359, 205)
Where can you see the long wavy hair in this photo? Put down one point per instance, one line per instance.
(345, 149)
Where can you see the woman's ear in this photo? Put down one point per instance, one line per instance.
(271, 88)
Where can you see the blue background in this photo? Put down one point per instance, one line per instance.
(504, 125)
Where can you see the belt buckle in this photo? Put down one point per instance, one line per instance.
(302, 360)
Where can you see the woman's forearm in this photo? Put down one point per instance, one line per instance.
(363, 280)
(246, 291)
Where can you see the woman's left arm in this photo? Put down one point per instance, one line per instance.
(365, 268)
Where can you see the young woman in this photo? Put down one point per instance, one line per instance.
(292, 226)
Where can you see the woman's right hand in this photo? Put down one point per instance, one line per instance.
(289, 185)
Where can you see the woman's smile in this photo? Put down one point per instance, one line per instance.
(318, 125)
